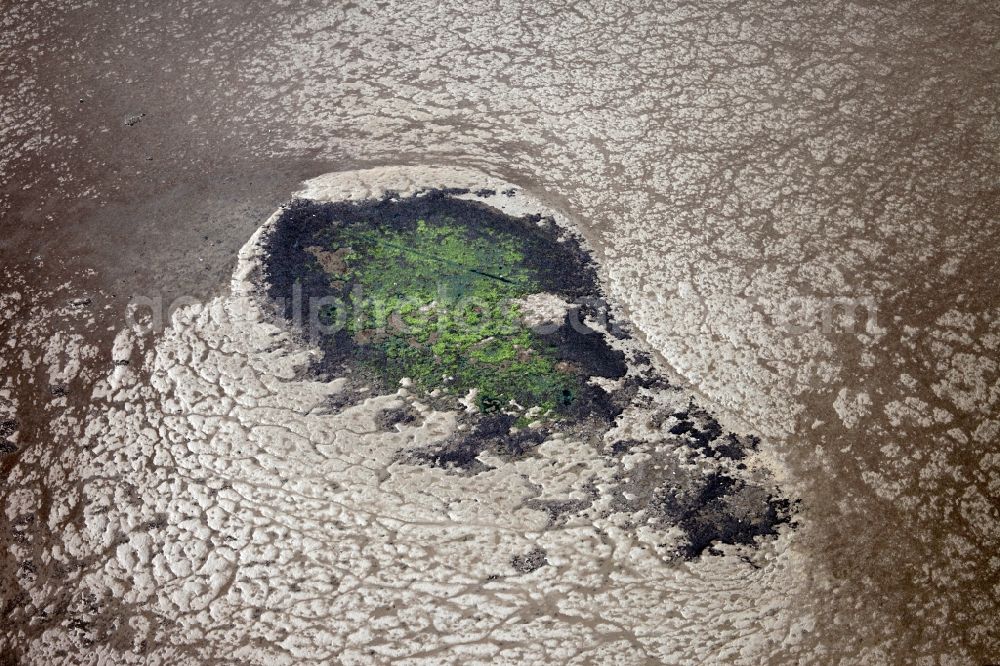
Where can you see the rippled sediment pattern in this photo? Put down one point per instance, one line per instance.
(236, 509)
(733, 165)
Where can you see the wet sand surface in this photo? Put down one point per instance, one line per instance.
(739, 171)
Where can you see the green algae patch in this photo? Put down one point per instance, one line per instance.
(435, 303)
(428, 289)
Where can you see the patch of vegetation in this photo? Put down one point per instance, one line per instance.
(434, 303)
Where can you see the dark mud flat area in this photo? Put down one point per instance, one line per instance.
(424, 288)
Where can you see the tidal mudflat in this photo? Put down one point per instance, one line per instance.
(467, 456)
(792, 207)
